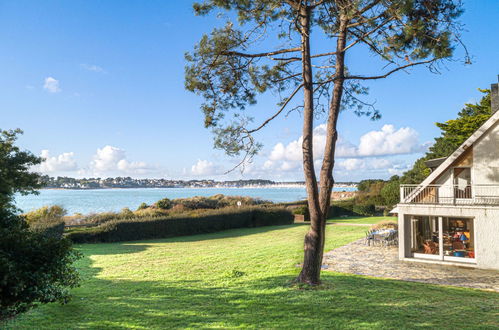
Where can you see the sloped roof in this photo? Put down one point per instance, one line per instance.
(462, 148)
(434, 163)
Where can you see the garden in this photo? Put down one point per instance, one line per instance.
(243, 278)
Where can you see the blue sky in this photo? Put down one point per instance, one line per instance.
(98, 88)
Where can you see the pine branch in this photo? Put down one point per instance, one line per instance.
(392, 71)
(278, 112)
(266, 54)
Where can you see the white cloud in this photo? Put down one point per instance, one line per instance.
(61, 163)
(386, 142)
(111, 159)
(355, 164)
(289, 157)
(51, 85)
(92, 67)
(352, 164)
(389, 141)
(379, 153)
(205, 167)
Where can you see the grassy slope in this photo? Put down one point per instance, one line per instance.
(362, 220)
(189, 282)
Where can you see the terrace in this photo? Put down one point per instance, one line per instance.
(450, 194)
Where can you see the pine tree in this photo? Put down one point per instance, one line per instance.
(229, 69)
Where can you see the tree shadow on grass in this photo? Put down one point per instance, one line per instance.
(198, 237)
(345, 301)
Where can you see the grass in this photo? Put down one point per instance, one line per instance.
(361, 220)
(241, 278)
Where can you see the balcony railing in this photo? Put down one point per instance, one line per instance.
(450, 194)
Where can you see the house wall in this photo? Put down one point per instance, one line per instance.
(486, 229)
(486, 158)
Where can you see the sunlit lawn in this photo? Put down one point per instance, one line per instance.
(240, 278)
(361, 220)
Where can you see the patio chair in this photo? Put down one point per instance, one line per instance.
(391, 239)
(369, 237)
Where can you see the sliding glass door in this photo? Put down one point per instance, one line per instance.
(441, 238)
(425, 237)
(458, 239)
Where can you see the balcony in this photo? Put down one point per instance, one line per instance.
(450, 194)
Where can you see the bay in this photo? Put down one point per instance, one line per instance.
(105, 200)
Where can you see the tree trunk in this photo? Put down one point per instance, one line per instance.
(310, 272)
(326, 175)
(318, 203)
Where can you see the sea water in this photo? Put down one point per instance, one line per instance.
(104, 200)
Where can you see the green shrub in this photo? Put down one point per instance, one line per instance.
(213, 202)
(100, 218)
(206, 222)
(364, 209)
(46, 213)
(142, 206)
(35, 267)
(126, 213)
(391, 193)
(164, 204)
(150, 212)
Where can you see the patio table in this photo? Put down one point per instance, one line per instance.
(383, 236)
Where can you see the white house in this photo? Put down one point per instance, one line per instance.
(452, 217)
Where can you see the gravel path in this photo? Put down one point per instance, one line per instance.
(357, 258)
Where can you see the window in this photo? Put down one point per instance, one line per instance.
(441, 238)
(425, 234)
(462, 182)
(458, 238)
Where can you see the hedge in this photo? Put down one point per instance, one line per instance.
(364, 209)
(163, 227)
(351, 208)
(53, 229)
(342, 208)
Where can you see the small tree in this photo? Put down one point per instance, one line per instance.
(164, 204)
(391, 191)
(35, 266)
(229, 70)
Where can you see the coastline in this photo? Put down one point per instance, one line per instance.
(277, 186)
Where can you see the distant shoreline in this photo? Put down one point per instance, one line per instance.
(277, 186)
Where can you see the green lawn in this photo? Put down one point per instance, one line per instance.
(240, 278)
(362, 220)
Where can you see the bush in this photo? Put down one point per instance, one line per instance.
(46, 213)
(150, 212)
(142, 206)
(126, 213)
(364, 209)
(206, 222)
(34, 267)
(164, 204)
(213, 202)
(100, 218)
(391, 193)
